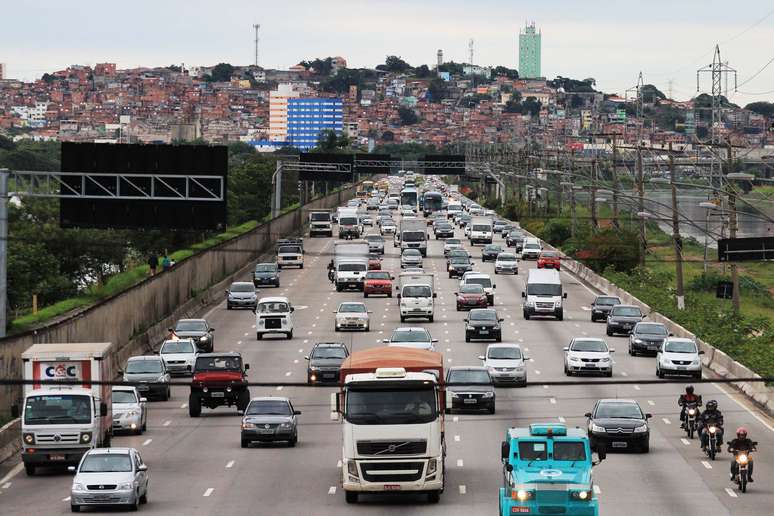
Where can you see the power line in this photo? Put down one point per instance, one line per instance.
(756, 74)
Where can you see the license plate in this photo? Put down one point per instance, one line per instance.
(470, 401)
(266, 432)
(518, 510)
(618, 444)
(591, 365)
(681, 367)
(218, 394)
(392, 487)
(484, 332)
(56, 457)
(142, 387)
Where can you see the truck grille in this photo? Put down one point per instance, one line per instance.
(544, 306)
(56, 438)
(273, 323)
(391, 447)
(392, 471)
(101, 487)
(589, 359)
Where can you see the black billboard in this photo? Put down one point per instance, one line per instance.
(134, 209)
(745, 249)
(447, 165)
(322, 173)
(369, 167)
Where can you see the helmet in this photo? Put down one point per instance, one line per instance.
(712, 405)
(741, 432)
(689, 389)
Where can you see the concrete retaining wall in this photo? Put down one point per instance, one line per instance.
(136, 319)
(10, 439)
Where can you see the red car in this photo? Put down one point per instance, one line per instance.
(377, 282)
(374, 264)
(471, 296)
(548, 260)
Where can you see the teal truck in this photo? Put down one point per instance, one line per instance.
(547, 470)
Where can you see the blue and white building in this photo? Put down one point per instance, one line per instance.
(308, 117)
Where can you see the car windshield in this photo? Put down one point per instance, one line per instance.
(484, 282)
(459, 260)
(410, 336)
(619, 410)
(229, 363)
(544, 289)
(651, 329)
(493, 248)
(177, 346)
(57, 408)
(242, 287)
(533, 450)
(680, 346)
(607, 301)
(479, 376)
(265, 267)
(472, 289)
(589, 345)
(352, 267)
(273, 307)
(483, 315)
(504, 353)
(532, 245)
(571, 451)
(378, 275)
(411, 252)
(417, 291)
(453, 241)
(375, 238)
(268, 408)
(329, 352)
(191, 326)
(626, 311)
(352, 307)
(124, 397)
(106, 463)
(143, 366)
(548, 255)
(502, 257)
(390, 407)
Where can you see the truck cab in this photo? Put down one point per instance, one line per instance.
(320, 223)
(547, 469)
(416, 294)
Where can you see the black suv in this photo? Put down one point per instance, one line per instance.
(514, 239)
(325, 362)
(459, 265)
(218, 379)
(266, 274)
(470, 388)
(483, 323)
(622, 319)
(602, 305)
(443, 230)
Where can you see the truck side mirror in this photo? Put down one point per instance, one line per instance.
(335, 406)
(14, 411)
(247, 366)
(564, 295)
(103, 409)
(509, 467)
(505, 450)
(523, 294)
(435, 295)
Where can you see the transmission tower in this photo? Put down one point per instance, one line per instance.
(470, 51)
(256, 26)
(638, 104)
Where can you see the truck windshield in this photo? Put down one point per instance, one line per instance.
(414, 236)
(348, 221)
(229, 363)
(481, 227)
(533, 450)
(277, 307)
(352, 267)
(289, 249)
(319, 217)
(390, 407)
(574, 451)
(417, 291)
(544, 289)
(57, 408)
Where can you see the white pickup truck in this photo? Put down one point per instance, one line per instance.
(416, 294)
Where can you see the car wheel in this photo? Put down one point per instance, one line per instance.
(194, 405)
(75, 508)
(402, 319)
(350, 496)
(631, 352)
(560, 315)
(145, 425)
(368, 328)
(165, 396)
(526, 315)
(245, 443)
(228, 306)
(430, 319)
(645, 447)
(567, 371)
(144, 497)
(467, 337)
(292, 442)
(495, 271)
(243, 400)
(609, 374)
(29, 469)
(609, 333)
(697, 376)
(132, 506)
(659, 372)
(258, 336)
(336, 328)
(492, 409)
(365, 294)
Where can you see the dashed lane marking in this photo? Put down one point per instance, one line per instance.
(456, 419)
(597, 490)
(66, 499)
(246, 334)
(537, 372)
(239, 343)
(562, 420)
(279, 387)
(456, 438)
(553, 401)
(651, 403)
(545, 386)
(731, 492)
(167, 422)
(685, 441)
(147, 442)
(624, 373)
(332, 490)
(338, 464)
(460, 463)
(706, 464)
(208, 492)
(184, 405)
(309, 333)
(288, 373)
(463, 489)
(301, 350)
(230, 464)
(666, 421)
(636, 387)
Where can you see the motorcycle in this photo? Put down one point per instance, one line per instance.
(713, 431)
(742, 459)
(691, 415)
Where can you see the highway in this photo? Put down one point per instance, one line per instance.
(198, 468)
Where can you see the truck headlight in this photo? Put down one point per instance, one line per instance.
(582, 495)
(85, 437)
(29, 438)
(641, 429)
(432, 466)
(78, 487)
(352, 469)
(521, 495)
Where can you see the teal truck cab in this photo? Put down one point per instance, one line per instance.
(547, 470)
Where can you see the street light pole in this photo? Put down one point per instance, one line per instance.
(641, 206)
(732, 226)
(676, 234)
(594, 221)
(4, 174)
(615, 185)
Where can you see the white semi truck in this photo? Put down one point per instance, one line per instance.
(416, 294)
(60, 423)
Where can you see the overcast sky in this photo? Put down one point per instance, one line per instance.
(611, 41)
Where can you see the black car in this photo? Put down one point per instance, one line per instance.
(198, 330)
(601, 306)
(490, 252)
(443, 230)
(270, 419)
(622, 319)
(618, 424)
(483, 323)
(470, 388)
(514, 239)
(459, 265)
(266, 274)
(647, 337)
(325, 362)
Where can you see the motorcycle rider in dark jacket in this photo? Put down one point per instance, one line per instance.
(709, 417)
(686, 399)
(741, 444)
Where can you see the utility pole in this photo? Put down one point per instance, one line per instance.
(732, 226)
(4, 174)
(676, 234)
(594, 221)
(616, 224)
(641, 204)
(574, 224)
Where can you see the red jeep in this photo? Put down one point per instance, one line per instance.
(218, 379)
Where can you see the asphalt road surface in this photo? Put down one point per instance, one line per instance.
(197, 467)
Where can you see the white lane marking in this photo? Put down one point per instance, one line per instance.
(66, 499)
(597, 490)
(562, 420)
(288, 373)
(184, 405)
(651, 403)
(445, 324)
(6, 485)
(147, 442)
(449, 359)
(230, 464)
(537, 372)
(577, 325)
(553, 401)
(636, 387)
(460, 463)
(545, 386)
(332, 490)
(239, 343)
(585, 334)
(666, 421)
(295, 361)
(208, 492)
(448, 350)
(309, 333)
(279, 387)
(586, 308)
(526, 349)
(685, 441)
(446, 332)
(706, 464)
(456, 419)
(246, 334)
(167, 422)
(624, 373)
(314, 325)
(731, 492)
(463, 489)
(338, 464)
(301, 350)
(456, 438)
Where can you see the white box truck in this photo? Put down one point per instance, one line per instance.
(350, 262)
(320, 223)
(61, 422)
(481, 230)
(416, 294)
(349, 223)
(413, 235)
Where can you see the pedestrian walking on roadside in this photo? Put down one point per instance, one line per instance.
(166, 263)
(153, 263)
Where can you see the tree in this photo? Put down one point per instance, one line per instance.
(332, 142)
(174, 68)
(437, 90)
(572, 85)
(473, 100)
(422, 72)
(762, 108)
(222, 72)
(451, 67)
(320, 66)
(407, 116)
(388, 136)
(531, 105)
(651, 94)
(48, 78)
(501, 71)
(394, 64)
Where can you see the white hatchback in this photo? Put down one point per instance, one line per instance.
(679, 357)
(588, 355)
(506, 364)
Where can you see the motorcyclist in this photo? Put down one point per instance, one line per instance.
(686, 399)
(741, 444)
(711, 416)
(331, 268)
(172, 335)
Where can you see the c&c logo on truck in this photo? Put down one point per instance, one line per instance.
(62, 371)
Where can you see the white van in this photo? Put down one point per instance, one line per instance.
(544, 294)
(531, 249)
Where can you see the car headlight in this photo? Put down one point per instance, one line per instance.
(641, 429)
(286, 426)
(597, 428)
(582, 495)
(695, 361)
(489, 394)
(85, 437)
(604, 360)
(205, 338)
(574, 359)
(432, 466)
(131, 413)
(161, 379)
(469, 327)
(521, 495)
(78, 487)
(126, 486)
(245, 426)
(638, 341)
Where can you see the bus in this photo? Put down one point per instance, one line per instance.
(432, 202)
(409, 198)
(368, 186)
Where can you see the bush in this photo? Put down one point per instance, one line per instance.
(557, 231)
(611, 247)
